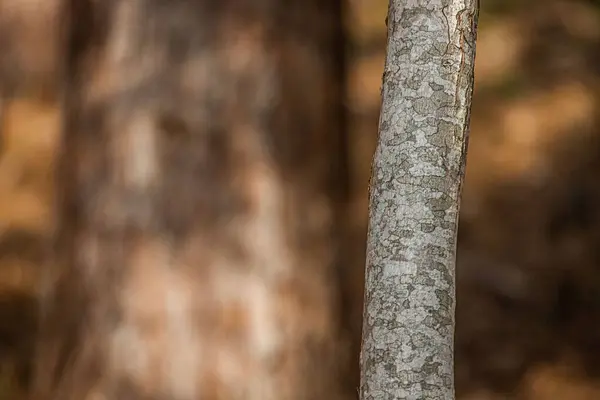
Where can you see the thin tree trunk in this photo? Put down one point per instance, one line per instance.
(195, 248)
(418, 168)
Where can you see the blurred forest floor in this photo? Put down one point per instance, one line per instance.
(528, 315)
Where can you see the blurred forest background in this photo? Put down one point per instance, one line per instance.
(528, 316)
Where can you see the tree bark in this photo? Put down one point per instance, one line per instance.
(195, 247)
(418, 169)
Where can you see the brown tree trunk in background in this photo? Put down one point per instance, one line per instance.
(195, 251)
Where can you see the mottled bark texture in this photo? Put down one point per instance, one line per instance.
(195, 252)
(418, 170)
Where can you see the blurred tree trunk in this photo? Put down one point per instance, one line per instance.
(195, 248)
(418, 170)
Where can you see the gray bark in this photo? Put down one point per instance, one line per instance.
(418, 169)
